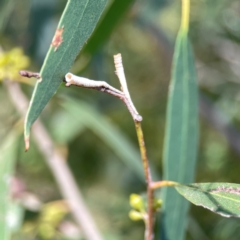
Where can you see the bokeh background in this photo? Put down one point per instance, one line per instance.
(144, 33)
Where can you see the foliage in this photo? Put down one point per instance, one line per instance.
(221, 198)
(107, 166)
(76, 25)
(181, 138)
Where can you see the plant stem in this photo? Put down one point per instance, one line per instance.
(185, 14)
(137, 120)
(143, 152)
(150, 190)
(121, 76)
(160, 184)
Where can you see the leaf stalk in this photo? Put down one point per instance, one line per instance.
(185, 15)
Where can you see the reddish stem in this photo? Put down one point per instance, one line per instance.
(150, 191)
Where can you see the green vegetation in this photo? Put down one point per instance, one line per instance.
(75, 26)
(84, 162)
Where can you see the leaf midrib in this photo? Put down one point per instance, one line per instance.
(214, 194)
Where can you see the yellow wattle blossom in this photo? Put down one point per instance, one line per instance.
(11, 62)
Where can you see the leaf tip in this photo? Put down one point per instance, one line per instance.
(27, 142)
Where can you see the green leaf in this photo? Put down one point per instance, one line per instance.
(180, 144)
(8, 152)
(221, 198)
(110, 135)
(106, 26)
(76, 25)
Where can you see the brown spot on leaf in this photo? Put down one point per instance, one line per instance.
(57, 39)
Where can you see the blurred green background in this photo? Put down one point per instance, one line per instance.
(106, 169)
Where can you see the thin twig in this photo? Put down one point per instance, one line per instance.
(72, 79)
(124, 95)
(102, 86)
(160, 184)
(58, 166)
(185, 14)
(150, 191)
(29, 74)
(121, 76)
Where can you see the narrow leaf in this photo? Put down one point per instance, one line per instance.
(180, 144)
(76, 25)
(221, 198)
(111, 18)
(107, 132)
(7, 159)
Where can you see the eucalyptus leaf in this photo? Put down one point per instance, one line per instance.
(75, 27)
(221, 198)
(113, 15)
(181, 137)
